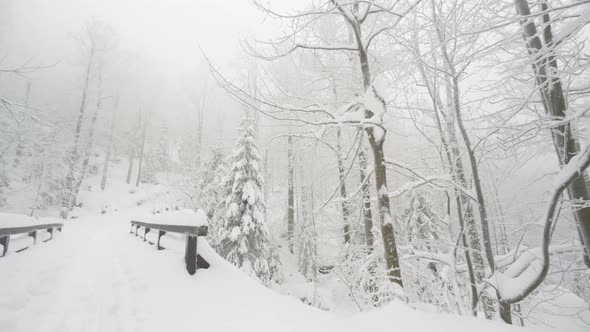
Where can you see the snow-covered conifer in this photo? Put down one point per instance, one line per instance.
(211, 188)
(243, 236)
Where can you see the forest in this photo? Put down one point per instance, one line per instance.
(352, 155)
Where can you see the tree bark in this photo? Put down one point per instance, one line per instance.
(107, 158)
(130, 167)
(387, 232)
(367, 213)
(141, 152)
(290, 194)
(343, 193)
(74, 154)
(550, 88)
(376, 143)
(90, 141)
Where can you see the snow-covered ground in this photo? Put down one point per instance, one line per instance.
(96, 276)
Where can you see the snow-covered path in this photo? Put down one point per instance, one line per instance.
(81, 271)
(95, 276)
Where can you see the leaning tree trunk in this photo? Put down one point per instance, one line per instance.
(554, 102)
(453, 93)
(107, 157)
(74, 154)
(487, 303)
(90, 142)
(455, 167)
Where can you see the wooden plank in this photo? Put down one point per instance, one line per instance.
(5, 241)
(189, 230)
(160, 234)
(33, 234)
(28, 229)
(192, 260)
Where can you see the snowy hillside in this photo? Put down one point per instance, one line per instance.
(95, 276)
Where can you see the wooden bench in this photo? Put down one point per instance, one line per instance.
(5, 233)
(192, 259)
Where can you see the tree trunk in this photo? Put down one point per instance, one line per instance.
(290, 194)
(387, 232)
(107, 158)
(342, 178)
(367, 213)
(376, 143)
(550, 88)
(141, 153)
(455, 168)
(90, 141)
(130, 167)
(74, 154)
(452, 85)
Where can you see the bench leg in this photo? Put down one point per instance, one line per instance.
(33, 234)
(160, 234)
(202, 263)
(147, 230)
(190, 256)
(5, 241)
(131, 229)
(50, 231)
(136, 228)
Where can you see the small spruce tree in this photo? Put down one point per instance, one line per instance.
(211, 189)
(243, 238)
(424, 232)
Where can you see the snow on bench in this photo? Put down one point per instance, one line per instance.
(15, 224)
(188, 222)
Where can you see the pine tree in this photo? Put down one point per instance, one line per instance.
(243, 236)
(422, 225)
(211, 188)
(157, 155)
(162, 150)
(423, 230)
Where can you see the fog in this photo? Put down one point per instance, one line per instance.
(158, 58)
(346, 154)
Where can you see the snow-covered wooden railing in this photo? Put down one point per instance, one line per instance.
(5, 233)
(190, 223)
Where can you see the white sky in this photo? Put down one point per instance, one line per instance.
(163, 35)
(166, 32)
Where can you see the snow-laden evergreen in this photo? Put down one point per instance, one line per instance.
(211, 188)
(243, 236)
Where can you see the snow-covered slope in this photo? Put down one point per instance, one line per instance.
(96, 276)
